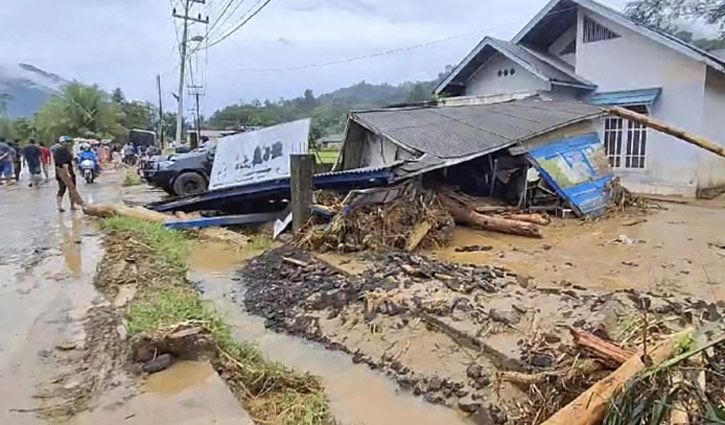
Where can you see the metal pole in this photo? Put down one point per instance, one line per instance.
(161, 114)
(182, 70)
(198, 121)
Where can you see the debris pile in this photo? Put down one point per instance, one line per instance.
(415, 219)
(621, 199)
(450, 332)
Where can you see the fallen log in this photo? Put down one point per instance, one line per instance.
(72, 190)
(540, 219)
(468, 217)
(416, 237)
(684, 135)
(591, 405)
(600, 347)
(212, 233)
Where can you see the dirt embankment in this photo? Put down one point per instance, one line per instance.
(446, 332)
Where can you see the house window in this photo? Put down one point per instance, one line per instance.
(593, 31)
(625, 142)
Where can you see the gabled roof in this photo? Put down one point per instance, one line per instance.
(554, 7)
(536, 63)
(450, 132)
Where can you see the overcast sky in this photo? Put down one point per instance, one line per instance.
(125, 43)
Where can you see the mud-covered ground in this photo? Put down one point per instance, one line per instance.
(676, 249)
(443, 330)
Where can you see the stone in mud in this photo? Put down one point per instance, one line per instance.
(483, 417)
(358, 357)
(542, 360)
(158, 364)
(474, 371)
(434, 384)
(461, 393)
(551, 338)
(483, 382)
(506, 317)
(434, 398)
(468, 404)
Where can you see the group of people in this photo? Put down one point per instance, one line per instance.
(37, 160)
(36, 156)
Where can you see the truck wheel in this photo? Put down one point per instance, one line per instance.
(189, 183)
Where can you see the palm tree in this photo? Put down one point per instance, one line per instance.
(80, 111)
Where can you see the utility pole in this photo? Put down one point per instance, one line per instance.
(196, 92)
(161, 113)
(182, 68)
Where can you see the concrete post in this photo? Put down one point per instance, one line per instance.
(302, 167)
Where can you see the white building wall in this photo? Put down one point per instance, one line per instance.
(632, 62)
(712, 167)
(486, 81)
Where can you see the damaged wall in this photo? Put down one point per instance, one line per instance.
(364, 148)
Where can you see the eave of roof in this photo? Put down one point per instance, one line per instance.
(524, 57)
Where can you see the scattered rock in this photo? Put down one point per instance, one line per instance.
(474, 248)
(434, 384)
(506, 317)
(474, 371)
(630, 263)
(66, 345)
(542, 360)
(158, 364)
(468, 404)
(483, 417)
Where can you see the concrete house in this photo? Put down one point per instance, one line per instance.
(583, 50)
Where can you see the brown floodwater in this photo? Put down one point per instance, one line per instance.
(358, 395)
(667, 250)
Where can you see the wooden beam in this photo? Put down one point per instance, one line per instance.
(688, 137)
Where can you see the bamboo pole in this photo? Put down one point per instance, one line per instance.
(693, 139)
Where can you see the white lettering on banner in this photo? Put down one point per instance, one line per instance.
(258, 156)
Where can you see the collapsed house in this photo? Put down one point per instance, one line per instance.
(534, 153)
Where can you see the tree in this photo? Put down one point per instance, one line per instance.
(80, 111)
(118, 97)
(663, 13)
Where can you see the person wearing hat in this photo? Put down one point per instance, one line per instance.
(63, 159)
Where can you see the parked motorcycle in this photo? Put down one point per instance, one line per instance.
(88, 170)
(130, 159)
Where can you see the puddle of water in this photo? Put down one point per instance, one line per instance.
(178, 378)
(357, 395)
(213, 257)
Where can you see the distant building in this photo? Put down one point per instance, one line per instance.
(580, 49)
(330, 142)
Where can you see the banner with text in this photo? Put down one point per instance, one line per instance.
(258, 156)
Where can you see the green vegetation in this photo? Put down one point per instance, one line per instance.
(131, 178)
(171, 247)
(327, 156)
(664, 14)
(272, 393)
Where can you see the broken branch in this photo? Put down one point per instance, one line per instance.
(602, 348)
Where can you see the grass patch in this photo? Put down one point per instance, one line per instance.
(131, 178)
(271, 392)
(171, 246)
(327, 156)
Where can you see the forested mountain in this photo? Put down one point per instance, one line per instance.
(328, 111)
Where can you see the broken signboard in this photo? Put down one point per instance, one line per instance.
(578, 170)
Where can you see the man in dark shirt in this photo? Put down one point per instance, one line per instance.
(63, 159)
(32, 155)
(17, 160)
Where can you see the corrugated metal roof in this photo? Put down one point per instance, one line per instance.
(460, 131)
(624, 98)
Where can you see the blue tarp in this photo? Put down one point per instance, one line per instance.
(626, 98)
(578, 170)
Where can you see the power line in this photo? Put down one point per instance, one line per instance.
(389, 52)
(219, 20)
(242, 23)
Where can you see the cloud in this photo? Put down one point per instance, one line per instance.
(125, 43)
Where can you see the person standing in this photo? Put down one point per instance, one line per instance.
(17, 160)
(63, 159)
(6, 161)
(45, 160)
(33, 157)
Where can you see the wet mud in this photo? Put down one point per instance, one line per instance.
(443, 331)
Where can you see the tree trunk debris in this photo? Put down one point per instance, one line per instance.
(600, 347)
(467, 216)
(686, 136)
(591, 405)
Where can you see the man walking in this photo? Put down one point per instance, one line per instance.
(33, 156)
(45, 159)
(17, 160)
(63, 159)
(6, 161)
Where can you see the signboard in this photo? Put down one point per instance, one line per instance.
(257, 156)
(578, 170)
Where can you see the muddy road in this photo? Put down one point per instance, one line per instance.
(47, 263)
